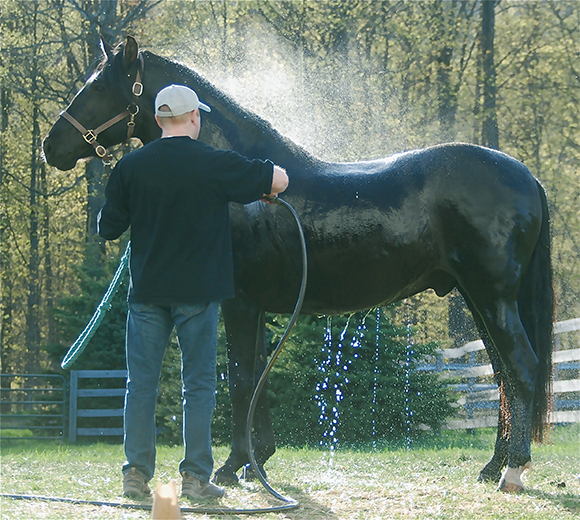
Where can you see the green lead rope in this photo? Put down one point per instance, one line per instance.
(81, 342)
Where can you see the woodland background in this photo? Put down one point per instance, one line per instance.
(348, 80)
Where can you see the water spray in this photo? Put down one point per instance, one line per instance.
(79, 345)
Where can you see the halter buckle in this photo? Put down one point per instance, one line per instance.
(101, 151)
(137, 88)
(90, 137)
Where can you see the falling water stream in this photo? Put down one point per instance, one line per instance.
(330, 365)
(376, 374)
(409, 352)
(334, 364)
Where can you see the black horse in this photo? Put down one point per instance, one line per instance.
(454, 215)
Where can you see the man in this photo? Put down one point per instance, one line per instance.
(174, 194)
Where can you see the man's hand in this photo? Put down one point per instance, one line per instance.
(279, 181)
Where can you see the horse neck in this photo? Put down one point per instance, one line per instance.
(228, 125)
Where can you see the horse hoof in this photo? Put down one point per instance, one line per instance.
(249, 474)
(507, 487)
(225, 477)
(511, 481)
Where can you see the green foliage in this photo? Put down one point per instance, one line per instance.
(15, 434)
(352, 380)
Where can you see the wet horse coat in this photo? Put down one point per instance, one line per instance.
(454, 215)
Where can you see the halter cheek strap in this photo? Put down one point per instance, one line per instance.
(90, 136)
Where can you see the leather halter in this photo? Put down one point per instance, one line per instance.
(90, 136)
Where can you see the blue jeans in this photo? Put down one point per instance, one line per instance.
(148, 330)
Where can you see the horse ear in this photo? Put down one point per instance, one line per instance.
(130, 52)
(105, 47)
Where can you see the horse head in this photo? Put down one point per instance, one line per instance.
(103, 113)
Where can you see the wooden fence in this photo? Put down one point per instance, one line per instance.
(32, 406)
(479, 399)
(90, 397)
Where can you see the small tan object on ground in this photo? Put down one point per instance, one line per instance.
(165, 506)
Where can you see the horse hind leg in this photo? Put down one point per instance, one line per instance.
(520, 440)
(513, 410)
(513, 356)
(521, 367)
(492, 471)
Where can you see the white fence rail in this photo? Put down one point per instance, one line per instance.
(479, 399)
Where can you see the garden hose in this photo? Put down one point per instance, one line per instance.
(81, 342)
(79, 345)
(148, 507)
(264, 376)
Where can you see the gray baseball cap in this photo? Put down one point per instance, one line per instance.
(180, 100)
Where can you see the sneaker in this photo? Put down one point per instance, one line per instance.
(135, 485)
(192, 487)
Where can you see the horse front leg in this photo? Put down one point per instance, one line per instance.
(263, 433)
(264, 441)
(246, 354)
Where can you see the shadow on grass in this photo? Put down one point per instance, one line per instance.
(569, 501)
(309, 508)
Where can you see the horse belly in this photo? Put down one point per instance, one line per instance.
(358, 278)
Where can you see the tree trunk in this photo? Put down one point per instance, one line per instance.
(443, 20)
(490, 132)
(48, 275)
(4, 307)
(32, 338)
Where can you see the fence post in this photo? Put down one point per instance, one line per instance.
(72, 423)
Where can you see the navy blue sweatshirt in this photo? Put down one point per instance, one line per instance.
(174, 194)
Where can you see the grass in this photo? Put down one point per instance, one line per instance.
(436, 478)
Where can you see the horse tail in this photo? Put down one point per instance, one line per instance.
(536, 305)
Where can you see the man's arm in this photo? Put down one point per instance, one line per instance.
(113, 219)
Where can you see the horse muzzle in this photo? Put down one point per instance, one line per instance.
(55, 156)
